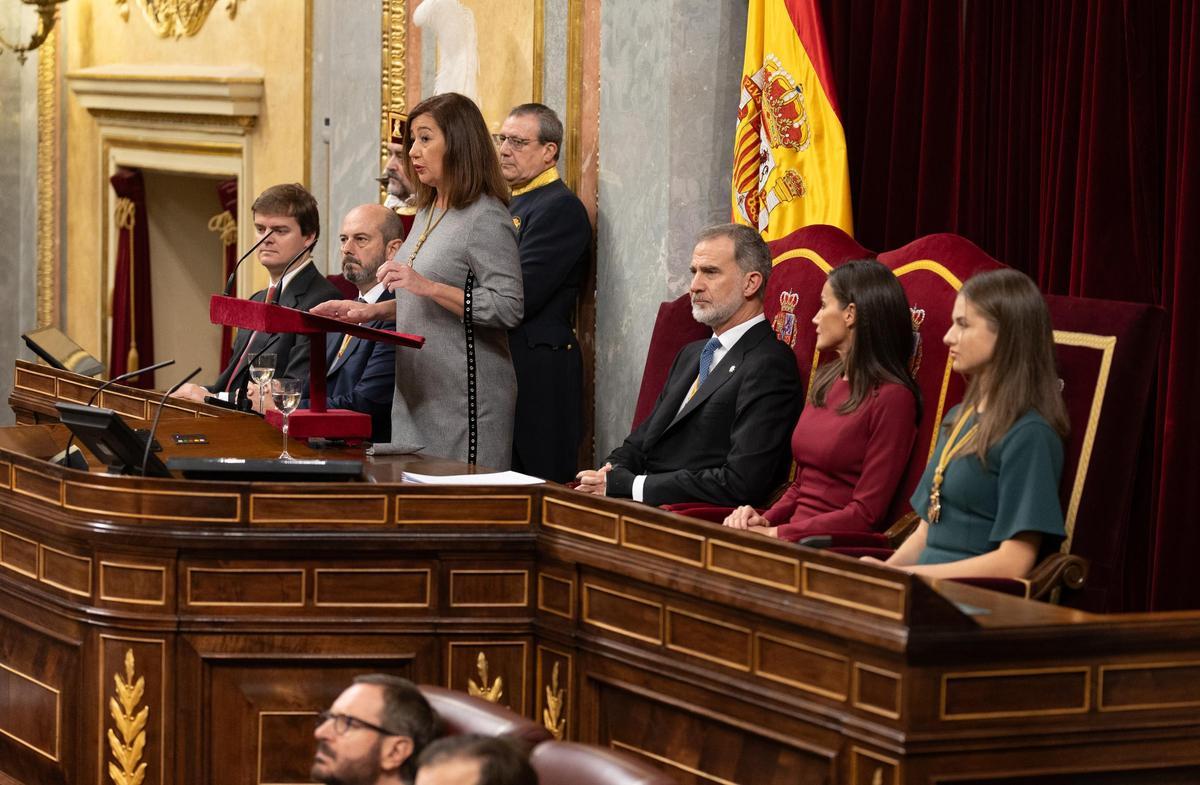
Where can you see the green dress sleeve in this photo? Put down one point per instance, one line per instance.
(1030, 461)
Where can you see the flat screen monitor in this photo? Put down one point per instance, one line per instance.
(59, 351)
(110, 439)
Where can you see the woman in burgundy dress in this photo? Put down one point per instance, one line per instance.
(852, 441)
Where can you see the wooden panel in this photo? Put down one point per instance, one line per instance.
(556, 595)
(809, 668)
(41, 486)
(623, 613)
(662, 541)
(374, 588)
(71, 390)
(876, 690)
(750, 564)
(127, 405)
(1015, 693)
(129, 659)
(555, 706)
(578, 519)
(427, 509)
(709, 639)
(34, 381)
(278, 734)
(507, 663)
(128, 502)
(872, 768)
(137, 584)
(327, 509)
(697, 745)
(864, 593)
(489, 588)
(1155, 685)
(19, 554)
(34, 717)
(231, 587)
(5, 474)
(65, 571)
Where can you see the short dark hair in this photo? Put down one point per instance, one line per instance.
(750, 251)
(550, 128)
(470, 164)
(405, 712)
(294, 201)
(501, 761)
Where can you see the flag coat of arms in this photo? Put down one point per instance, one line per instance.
(790, 166)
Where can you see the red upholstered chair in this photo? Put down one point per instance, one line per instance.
(567, 763)
(673, 329)
(349, 290)
(460, 713)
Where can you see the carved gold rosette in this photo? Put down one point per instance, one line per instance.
(489, 692)
(130, 723)
(176, 18)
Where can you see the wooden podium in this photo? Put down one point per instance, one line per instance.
(244, 608)
(316, 420)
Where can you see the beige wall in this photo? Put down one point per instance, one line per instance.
(272, 36)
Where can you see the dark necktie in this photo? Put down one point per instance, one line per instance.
(706, 358)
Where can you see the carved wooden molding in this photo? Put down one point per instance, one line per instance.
(131, 724)
(176, 18)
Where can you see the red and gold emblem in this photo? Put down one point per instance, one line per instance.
(784, 322)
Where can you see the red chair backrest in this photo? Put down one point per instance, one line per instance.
(567, 763)
(673, 329)
(349, 290)
(460, 713)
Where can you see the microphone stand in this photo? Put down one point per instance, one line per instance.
(158, 410)
(233, 275)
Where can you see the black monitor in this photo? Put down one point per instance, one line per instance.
(110, 439)
(59, 351)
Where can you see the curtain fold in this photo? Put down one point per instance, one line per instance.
(132, 343)
(224, 223)
(1063, 138)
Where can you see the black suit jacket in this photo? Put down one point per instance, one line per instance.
(364, 380)
(730, 444)
(303, 291)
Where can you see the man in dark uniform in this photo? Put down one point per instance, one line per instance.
(399, 189)
(554, 237)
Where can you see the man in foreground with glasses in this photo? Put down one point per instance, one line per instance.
(553, 237)
(372, 733)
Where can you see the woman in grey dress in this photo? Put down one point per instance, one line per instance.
(462, 235)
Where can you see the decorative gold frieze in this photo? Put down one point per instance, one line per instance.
(131, 724)
(491, 693)
(47, 181)
(552, 715)
(176, 18)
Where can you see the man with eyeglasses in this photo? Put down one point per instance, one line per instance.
(373, 733)
(554, 239)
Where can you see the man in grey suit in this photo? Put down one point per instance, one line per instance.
(720, 429)
(288, 214)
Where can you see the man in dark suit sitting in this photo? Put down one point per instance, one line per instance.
(720, 429)
(289, 214)
(361, 373)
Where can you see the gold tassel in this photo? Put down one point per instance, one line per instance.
(125, 220)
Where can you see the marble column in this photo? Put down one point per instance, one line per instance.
(669, 75)
(18, 200)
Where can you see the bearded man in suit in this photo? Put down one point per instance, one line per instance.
(720, 429)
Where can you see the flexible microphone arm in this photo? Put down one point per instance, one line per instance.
(158, 414)
(233, 275)
(306, 249)
(96, 394)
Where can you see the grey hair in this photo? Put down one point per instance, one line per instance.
(550, 128)
(750, 251)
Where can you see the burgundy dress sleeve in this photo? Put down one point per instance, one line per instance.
(891, 429)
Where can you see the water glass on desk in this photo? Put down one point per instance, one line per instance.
(285, 394)
(262, 368)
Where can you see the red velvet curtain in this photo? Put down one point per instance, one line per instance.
(225, 223)
(1063, 138)
(132, 344)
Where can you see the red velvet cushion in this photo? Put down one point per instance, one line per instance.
(567, 763)
(459, 713)
(673, 329)
(348, 290)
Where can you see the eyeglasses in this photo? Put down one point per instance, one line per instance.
(343, 723)
(515, 142)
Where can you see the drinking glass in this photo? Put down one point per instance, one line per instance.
(262, 368)
(286, 395)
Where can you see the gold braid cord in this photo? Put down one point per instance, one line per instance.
(128, 768)
(491, 693)
(124, 215)
(552, 716)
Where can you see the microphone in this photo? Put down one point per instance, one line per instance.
(233, 275)
(65, 458)
(158, 410)
(303, 251)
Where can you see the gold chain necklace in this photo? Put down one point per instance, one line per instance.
(950, 449)
(430, 225)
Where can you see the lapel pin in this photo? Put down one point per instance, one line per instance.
(731, 368)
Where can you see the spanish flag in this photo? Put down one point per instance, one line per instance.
(789, 159)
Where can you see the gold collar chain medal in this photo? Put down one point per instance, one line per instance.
(953, 447)
(430, 225)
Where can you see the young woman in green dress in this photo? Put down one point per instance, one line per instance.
(989, 496)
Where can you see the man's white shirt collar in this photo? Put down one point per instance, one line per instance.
(293, 273)
(373, 295)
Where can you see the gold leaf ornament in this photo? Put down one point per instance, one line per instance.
(176, 18)
(491, 693)
(552, 715)
(127, 741)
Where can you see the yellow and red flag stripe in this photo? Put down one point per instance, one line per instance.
(789, 163)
